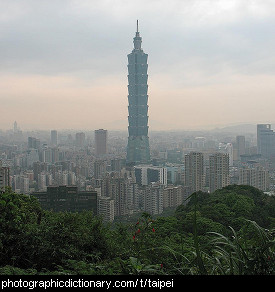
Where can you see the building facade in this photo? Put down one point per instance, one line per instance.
(138, 141)
(100, 142)
(257, 177)
(194, 171)
(265, 140)
(67, 198)
(218, 171)
(4, 177)
(147, 174)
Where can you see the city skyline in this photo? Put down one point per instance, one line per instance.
(211, 63)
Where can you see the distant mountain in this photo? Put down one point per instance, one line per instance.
(238, 129)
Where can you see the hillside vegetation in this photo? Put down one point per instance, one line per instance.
(230, 231)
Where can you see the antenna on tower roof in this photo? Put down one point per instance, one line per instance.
(137, 25)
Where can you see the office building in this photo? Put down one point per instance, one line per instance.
(218, 171)
(67, 198)
(138, 151)
(100, 142)
(265, 141)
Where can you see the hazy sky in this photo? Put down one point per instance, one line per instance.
(63, 64)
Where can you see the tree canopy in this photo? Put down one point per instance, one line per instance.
(203, 237)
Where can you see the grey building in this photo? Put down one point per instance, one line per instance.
(218, 171)
(194, 171)
(4, 177)
(138, 141)
(265, 140)
(100, 142)
(53, 137)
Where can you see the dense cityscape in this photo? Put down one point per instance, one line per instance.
(181, 163)
(135, 201)
(114, 177)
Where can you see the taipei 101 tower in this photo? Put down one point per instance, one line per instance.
(138, 151)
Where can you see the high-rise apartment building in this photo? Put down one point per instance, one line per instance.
(100, 168)
(218, 171)
(172, 196)
(265, 140)
(106, 208)
(152, 198)
(4, 177)
(194, 171)
(257, 177)
(100, 142)
(138, 151)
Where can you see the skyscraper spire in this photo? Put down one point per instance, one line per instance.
(138, 151)
(137, 40)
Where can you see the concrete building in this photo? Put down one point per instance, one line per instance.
(172, 196)
(67, 198)
(257, 177)
(100, 142)
(106, 208)
(194, 171)
(152, 199)
(227, 148)
(147, 174)
(265, 141)
(4, 177)
(100, 168)
(218, 171)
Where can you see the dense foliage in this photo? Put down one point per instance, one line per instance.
(230, 231)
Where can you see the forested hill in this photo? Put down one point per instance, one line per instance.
(230, 231)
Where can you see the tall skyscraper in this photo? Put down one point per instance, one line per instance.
(265, 140)
(219, 171)
(100, 142)
(138, 151)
